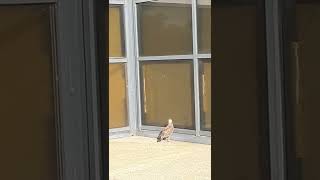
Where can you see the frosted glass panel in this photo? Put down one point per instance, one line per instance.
(117, 96)
(167, 92)
(165, 28)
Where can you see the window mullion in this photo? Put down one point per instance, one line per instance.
(195, 67)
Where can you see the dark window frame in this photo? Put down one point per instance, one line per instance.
(73, 42)
(277, 138)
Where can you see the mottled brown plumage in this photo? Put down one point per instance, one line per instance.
(166, 132)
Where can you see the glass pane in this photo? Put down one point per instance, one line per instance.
(240, 106)
(116, 32)
(205, 94)
(165, 28)
(27, 113)
(117, 96)
(204, 26)
(303, 90)
(167, 92)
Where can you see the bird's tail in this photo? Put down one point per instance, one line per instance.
(159, 139)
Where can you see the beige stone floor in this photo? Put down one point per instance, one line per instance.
(142, 158)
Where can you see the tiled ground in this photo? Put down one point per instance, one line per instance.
(142, 158)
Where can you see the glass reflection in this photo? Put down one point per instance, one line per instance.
(165, 28)
(205, 94)
(167, 92)
(240, 106)
(117, 96)
(116, 32)
(204, 26)
(303, 97)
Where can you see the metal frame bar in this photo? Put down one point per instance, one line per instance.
(203, 56)
(164, 58)
(117, 60)
(137, 68)
(73, 90)
(165, 1)
(177, 130)
(132, 86)
(275, 90)
(204, 2)
(117, 2)
(195, 67)
(56, 90)
(91, 32)
(205, 133)
(100, 38)
(142, 1)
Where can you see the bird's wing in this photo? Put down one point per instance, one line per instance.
(161, 134)
(168, 131)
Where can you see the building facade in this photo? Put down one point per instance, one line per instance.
(160, 68)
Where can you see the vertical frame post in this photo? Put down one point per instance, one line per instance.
(195, 67)
(135, 56)
(131, 64)
(275, 89)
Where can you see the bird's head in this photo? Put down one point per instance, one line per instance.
(170, 121)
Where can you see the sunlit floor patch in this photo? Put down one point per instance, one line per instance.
(142, 158)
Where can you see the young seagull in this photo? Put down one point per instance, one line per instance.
(166, 133)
